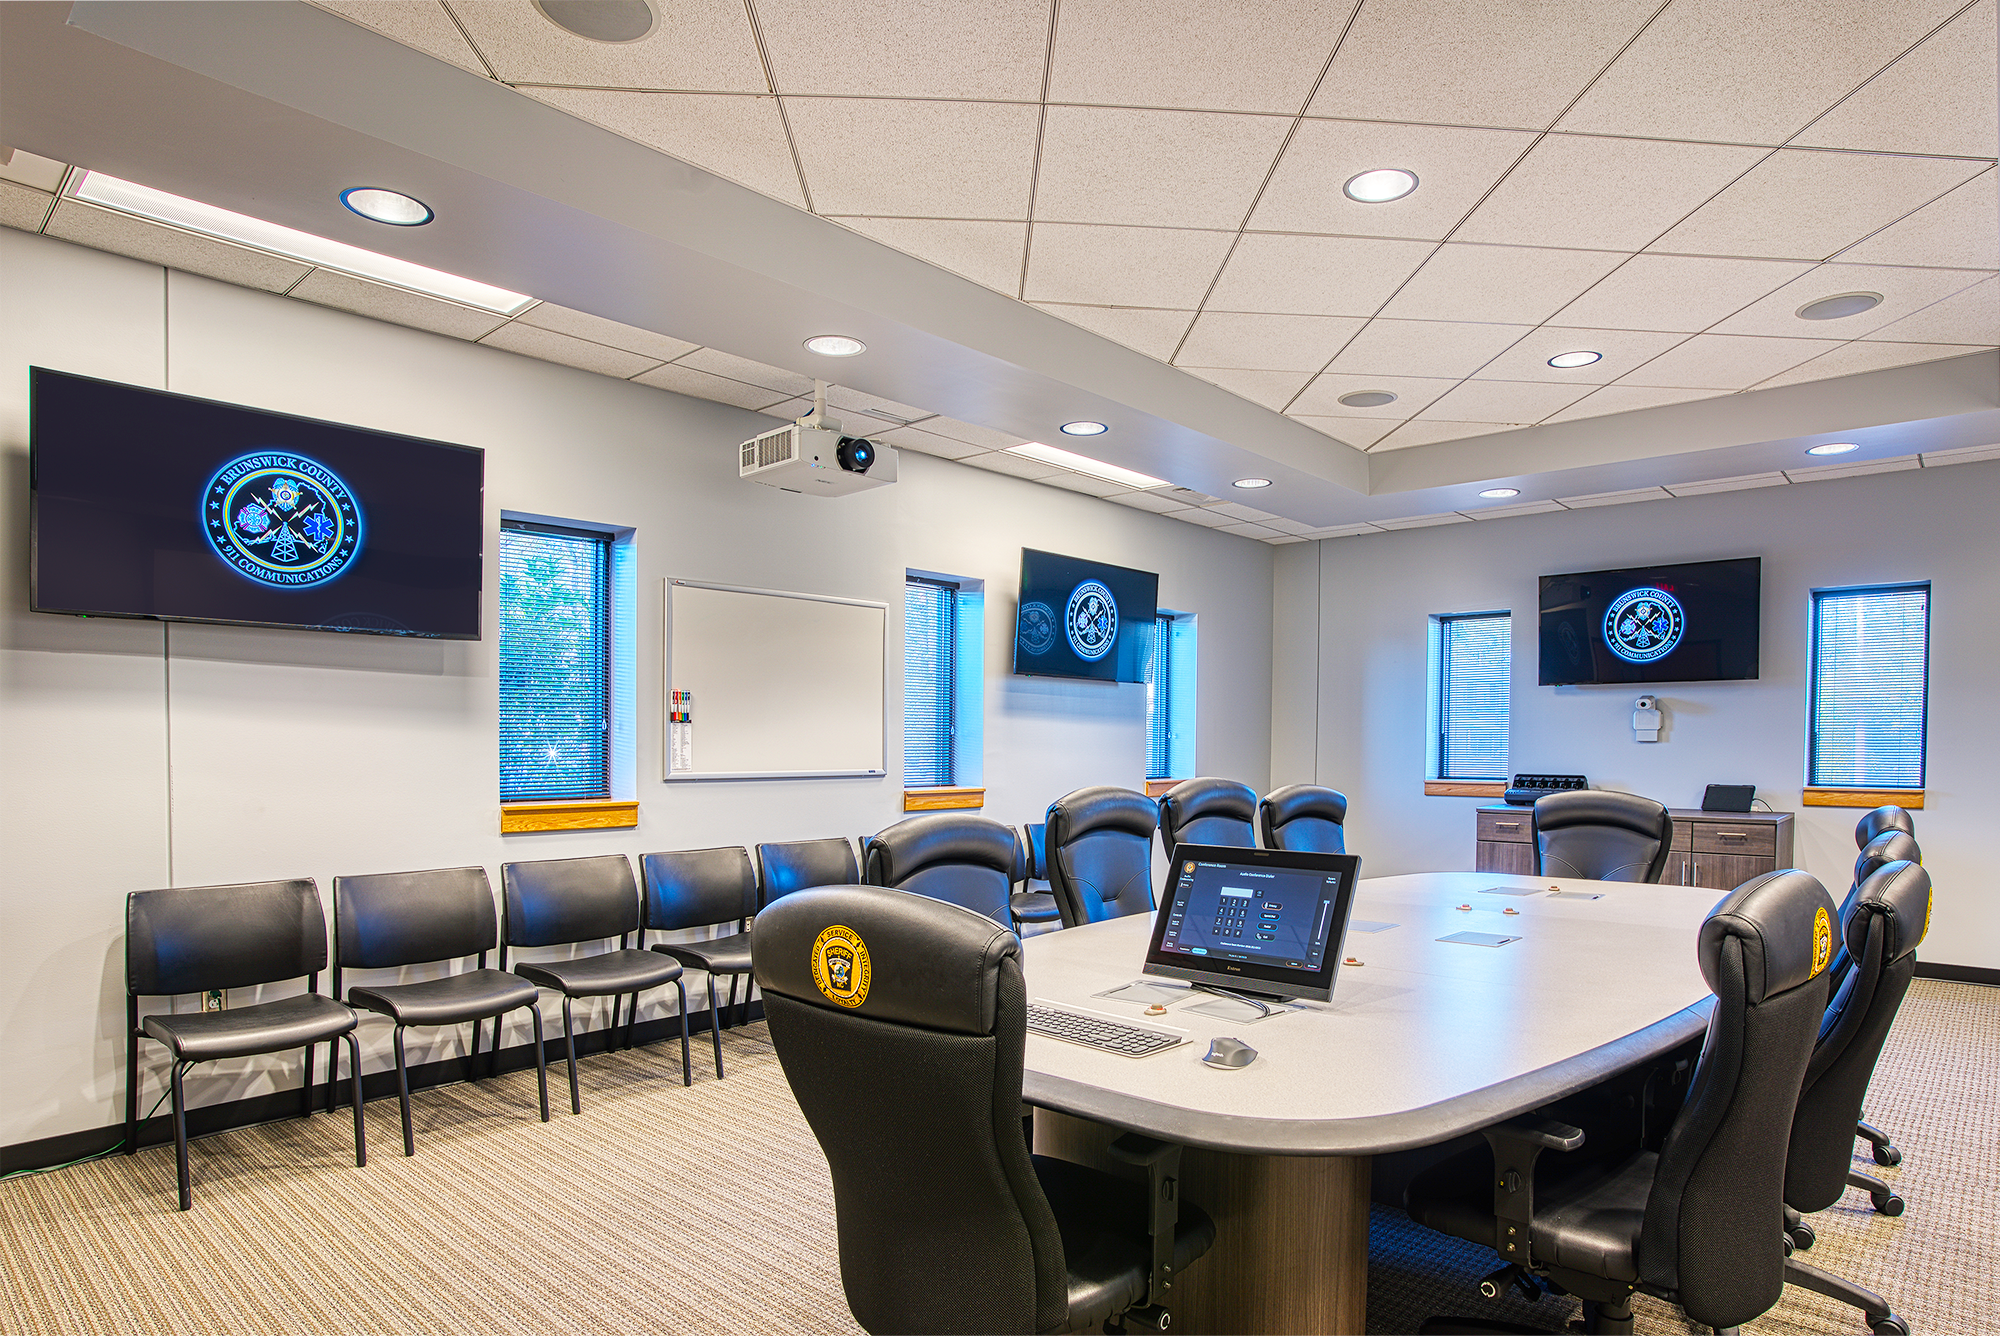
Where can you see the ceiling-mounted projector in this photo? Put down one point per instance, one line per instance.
(812, 457)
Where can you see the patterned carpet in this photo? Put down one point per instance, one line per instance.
(709, 1209)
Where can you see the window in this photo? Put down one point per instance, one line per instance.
(1870, 687)
(930, 680)
(555, 663)
(1170, 695)
(1471, 660)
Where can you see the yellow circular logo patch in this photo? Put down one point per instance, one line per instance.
(1930, 898)
(840, 966)
(1822, 938)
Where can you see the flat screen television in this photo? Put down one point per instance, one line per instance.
(148, 504)
(1084, 618)
(1696, 622)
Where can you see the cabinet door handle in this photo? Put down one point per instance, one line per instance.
(1506, 825)
(1730, 835)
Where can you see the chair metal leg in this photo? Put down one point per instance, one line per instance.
(181, 1138)
(631, 1021)
(360, 1131)
(306, 1089)
(734, 979)
(569, 1044)
(687, 1067)
(333, 1069)
(714, 1027)
(1873, 1305)
(472, 1057)
(402, 1094)
(132, 1076)
(617, 1005)
(541, 1057)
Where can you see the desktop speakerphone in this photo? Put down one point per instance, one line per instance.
(1526, 788)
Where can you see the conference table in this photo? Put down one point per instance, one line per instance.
(1424, 1041)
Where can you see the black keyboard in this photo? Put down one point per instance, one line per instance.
(1526, 788)
(1128, 1040)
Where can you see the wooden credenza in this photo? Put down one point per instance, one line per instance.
(1718, 850)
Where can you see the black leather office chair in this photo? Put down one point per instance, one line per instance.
(956, 857)
(1882, 926)
(1100, 846)
(196, 938)
(1305, 818)
(393, 919)
(1880, 822)
(558, 901)
(704, 888)
(796, 865)
(1698, 1221)
(1207, 810)
(1890, 842)
(1601, 836)
(1034, 902)
(900, 1022)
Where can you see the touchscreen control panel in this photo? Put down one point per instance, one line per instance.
(1277, 916)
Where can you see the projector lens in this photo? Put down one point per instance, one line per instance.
(855, 454)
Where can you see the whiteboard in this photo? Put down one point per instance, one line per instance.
(785, 686)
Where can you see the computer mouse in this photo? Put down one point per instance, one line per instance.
(1226, 1052)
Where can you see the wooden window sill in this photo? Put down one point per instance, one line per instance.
(1465, 788)
(942, 799)
(579, 814)
(1156, 787)
(1910, 798)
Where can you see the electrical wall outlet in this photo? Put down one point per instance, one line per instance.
(215, 999)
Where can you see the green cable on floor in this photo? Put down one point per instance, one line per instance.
(108, 1150)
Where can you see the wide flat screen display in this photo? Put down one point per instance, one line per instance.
(1254, 920)
(149, 504)
(1696, 622)
(1084, 618)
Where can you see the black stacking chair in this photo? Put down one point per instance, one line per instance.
(1696, 1222)
(193, 939)
(900, 1022)
(703, 888)
(1884, 820)
(798, 864)
(562, 900)
(1304, 818)
(1882, 926)
(1208, 811)
(1100, 845)
(393, 919)
(1601, 836)
(956, 857)
(1034, 902)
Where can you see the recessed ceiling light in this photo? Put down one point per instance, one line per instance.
(1846, 303)
(1500, 493)
(1380, 186)
(1368, 399)
(835, 345)
(1084, 428)
(600, 20)
(1096, 468)
(387, 206)
(1248, 483)
(1834, 448)
(1581, 357)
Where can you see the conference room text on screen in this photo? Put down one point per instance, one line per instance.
(1085, 619)
(1276, 916)
(1693, 622)
(148, 504)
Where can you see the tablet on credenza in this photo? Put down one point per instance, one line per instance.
(1258, 921)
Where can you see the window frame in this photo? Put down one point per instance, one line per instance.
(1437, 688)
(1176, 650)
(606, 597)
(949, 654)
(1813, 689)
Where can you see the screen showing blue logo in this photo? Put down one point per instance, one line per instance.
(1092, 621)
(281, 519)
(1644, 624)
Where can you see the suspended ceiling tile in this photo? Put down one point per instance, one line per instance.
(978, 49)
(1019, 466)
(849, 400)
(1424, 521)
(1971, 454)
(983, 437)
(701, 385)
(1413, 394)
(1289, 275)
(1453, 166)
(1613, 194)
(986, 253)
(24, 208)
(1216, 55)
(156, 243)
(1940, 98)
(33, 171)
(1207, 519)
(788, 410)
(1472, 62)
(700, 46)
(741, 138)
(1236, 510)
(1627, 399)
(1266, 342)
(582, 325)
(1725, 361)
(1680, 293)
(1345, 531)
(1725, 71)
(1443, 348)
(1149, 501)
(1805, 204)
(1286, 526)
(1624, 498)
(1828, 472)
(717, 363)
(1960, 231)
(1280, 540)
(1903, 292)
(1851, 359)
(1622, 349)
(1509, 512)
(1358, 432)
(549, 346)
(1430, 433)
(381, 302)
(1247, 530)
(1142, 328)
(1741, 483)
(1162, 267)
(916, 438)
(1971, 316)
(1153, 168)
(1517, 284)
(1518, 401)
(1271, 389)
(1188, 496)
(913, 159)
(1083, 482)
(422, 24)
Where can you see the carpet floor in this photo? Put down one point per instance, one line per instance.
(709, 1208)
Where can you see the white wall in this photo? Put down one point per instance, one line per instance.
(130, 747)
(1371, 596)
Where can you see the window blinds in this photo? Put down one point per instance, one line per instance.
(1159, 701)
(1474, 663)
(1871, 652)
(555, 659)
(930, 641)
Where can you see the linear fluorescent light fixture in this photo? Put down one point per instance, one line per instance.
(193, 216)
(1096, 468)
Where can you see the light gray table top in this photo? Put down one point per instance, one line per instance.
(1422, 1042)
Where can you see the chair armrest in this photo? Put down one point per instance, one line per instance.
(1533, 1130)
(1517, 1144)
(1133, 1148)
(1162, 1161)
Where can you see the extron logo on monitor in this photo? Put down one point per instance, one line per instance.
(282, 519)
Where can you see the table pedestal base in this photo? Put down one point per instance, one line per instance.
(1291, 1233)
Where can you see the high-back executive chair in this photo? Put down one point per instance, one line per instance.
(1598, 835)
(1699, 1221)
(1100, 846)
(1890, 842)
(1035, 902)
(901, 1022)
(956, 857)
(704, 888)
(1882, 925)
(1880, 822)
(1208, 811)
(1304, 818)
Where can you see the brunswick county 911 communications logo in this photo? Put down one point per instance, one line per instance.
(1092, 621)
(1644, 624)
(840, 967)
(281, 519)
